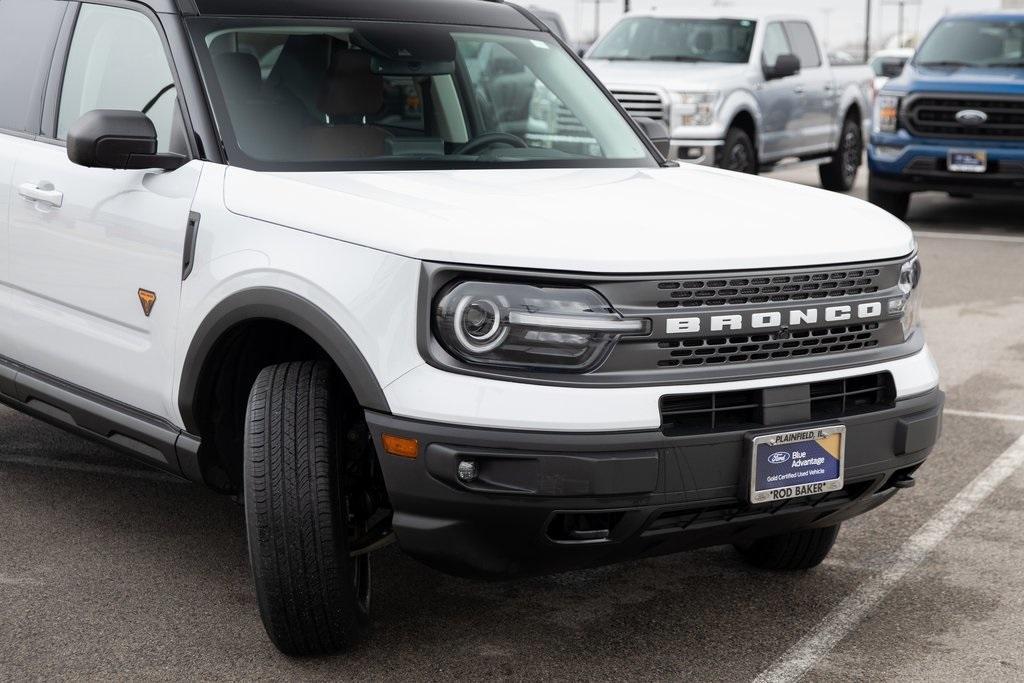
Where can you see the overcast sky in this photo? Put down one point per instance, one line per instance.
(845, 17)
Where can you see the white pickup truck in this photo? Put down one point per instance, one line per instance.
(745, 93)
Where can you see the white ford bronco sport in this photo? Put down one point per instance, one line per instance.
(402, 270)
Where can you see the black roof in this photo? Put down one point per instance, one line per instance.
(491, 13)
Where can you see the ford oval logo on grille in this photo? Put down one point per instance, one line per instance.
(971, 117)
(778, 458)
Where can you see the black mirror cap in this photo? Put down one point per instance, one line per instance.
(119, 140)
(658, 133)
(892, 69)
(785, 66)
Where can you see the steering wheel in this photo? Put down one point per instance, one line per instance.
(482, 142)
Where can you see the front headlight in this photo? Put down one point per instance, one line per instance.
(694, 108)
(887, 114)
(529, 327)
(909, 304)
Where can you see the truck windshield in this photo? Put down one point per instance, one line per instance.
(298, 96)
(679, 40)
(974, 43)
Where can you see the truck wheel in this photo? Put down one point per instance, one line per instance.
(791, 552)
(738, 153)
(896, 203)
(840, 174)
(313, 598)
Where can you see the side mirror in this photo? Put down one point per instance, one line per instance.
(784, 67)
(658, 133)
(892, 69)
(120, 140)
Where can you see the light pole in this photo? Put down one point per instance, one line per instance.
(867, 33)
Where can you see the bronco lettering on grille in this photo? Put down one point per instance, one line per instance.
(774, 320)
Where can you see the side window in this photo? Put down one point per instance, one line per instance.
(804, 45)
(117, 61)
(776, 44)
(28, 32)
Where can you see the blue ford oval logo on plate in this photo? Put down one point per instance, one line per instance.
(778, 458)
(971, 117)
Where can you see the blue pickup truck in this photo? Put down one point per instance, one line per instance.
(954, 120)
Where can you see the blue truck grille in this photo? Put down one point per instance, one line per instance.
(936, 116)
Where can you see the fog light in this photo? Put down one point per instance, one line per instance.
(468, 471)
(888, 152)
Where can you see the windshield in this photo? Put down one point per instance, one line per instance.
(680, 40)
(341, 95)
(973, 42)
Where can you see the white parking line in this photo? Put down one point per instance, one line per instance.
(977, 237)
(32, 461)
(985, 416)
(823, 638)
(15, 581)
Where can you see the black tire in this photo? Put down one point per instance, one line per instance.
(840, 174)
(896, 203)
(791, 552)
(738, 153)
(313, 598)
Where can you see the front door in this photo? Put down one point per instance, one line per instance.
(96, 255)
(781, 108)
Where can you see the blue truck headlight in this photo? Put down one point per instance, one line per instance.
(529, 327)
(887, 114)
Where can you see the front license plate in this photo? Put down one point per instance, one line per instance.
(967, 161)
(796, 464)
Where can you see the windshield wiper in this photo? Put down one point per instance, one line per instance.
(677, 58)
(1019, 63)
(947, 62)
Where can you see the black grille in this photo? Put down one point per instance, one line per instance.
(762, 347)
(738, 291)
(936, 116)
(728, 411)
(723, 513)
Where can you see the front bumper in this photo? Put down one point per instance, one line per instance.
(550, 501)
(901, 163)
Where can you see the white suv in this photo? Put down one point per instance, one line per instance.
(343, 267)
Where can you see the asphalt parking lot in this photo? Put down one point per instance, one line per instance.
(115, 572)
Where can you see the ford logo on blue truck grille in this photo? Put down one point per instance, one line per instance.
(971, 117)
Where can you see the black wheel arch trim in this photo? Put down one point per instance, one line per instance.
(268, 303)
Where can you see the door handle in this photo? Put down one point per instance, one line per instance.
(799, 90)
(43, 193)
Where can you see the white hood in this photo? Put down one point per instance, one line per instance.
(673, 76)
(597, 220)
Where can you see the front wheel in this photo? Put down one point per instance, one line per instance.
(804, 549)
(738, 153)
(313, 597)
(896, 203)
(840, 174)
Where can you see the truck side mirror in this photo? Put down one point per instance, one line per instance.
(658, 134)
(120, 140)
(784, 67)
(892, 69)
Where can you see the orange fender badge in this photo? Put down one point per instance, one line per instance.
(147, 299)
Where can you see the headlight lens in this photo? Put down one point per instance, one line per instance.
(695, 108)
(910, 303)
(529, 327)
(887, 114)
